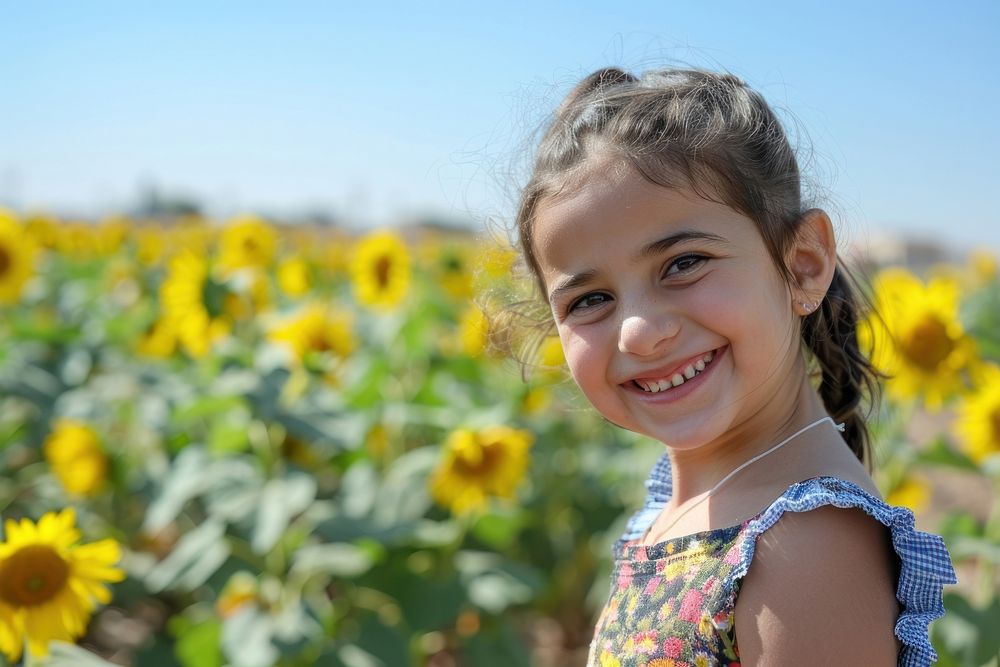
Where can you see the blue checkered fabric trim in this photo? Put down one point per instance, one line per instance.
(925, 566)
(659, 488)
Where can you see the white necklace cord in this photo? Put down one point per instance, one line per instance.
(758, 457)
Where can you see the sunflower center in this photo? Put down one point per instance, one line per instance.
(5, 260)
(319, 342)
(250, 245)
(32, 576)
(382, 267)
(928, 344)
(478, 461)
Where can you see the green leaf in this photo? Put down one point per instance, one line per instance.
(404, 495)
(246, 639)
(972, 547)
(62, 654)
(195, 558)
(941, 453)
(280, 501)
(429, 603)
(966, 633)
(498, 531)
(228, 436)
(341, 560)
(187, 478)
(960, 524)
(353, 656)
(494, 584)
(359, 489)
(388, 645)
(498, 646)
(208, 406)
(198, 646)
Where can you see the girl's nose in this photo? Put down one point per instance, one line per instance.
(643, 335)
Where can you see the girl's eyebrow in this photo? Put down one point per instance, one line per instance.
(657, 247)
(649, 250)
(571, 283)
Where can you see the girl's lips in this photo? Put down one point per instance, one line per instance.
(675, 393)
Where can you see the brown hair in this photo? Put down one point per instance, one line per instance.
(713, 134)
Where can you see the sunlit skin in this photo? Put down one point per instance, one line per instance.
(644, 280)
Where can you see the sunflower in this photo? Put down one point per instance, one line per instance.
(380, 270)
(451, 265)
(43, 229)
(333, 253)
(74, 453)
(158, 341)
(111, 233)
(49, 583)
(916, 338)
(194, 303)
(983, 264)
(914, 492)
(77, 240)
(247, 242)
(978, 423)
(473, 331)
(17, 258)
(247, 293)
(550, 353)
(479, 464)
(497, 260)
(377, 442)
(535, 400)
(317, 330)
(151, 244)
(241, 590)
(294, 277)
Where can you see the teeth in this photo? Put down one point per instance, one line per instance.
(677, 379)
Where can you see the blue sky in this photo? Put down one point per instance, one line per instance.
(380, 110)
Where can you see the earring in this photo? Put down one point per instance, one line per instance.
(808, 306)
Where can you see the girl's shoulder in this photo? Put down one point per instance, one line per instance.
(844, 556)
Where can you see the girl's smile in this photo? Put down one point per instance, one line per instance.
(674, 385)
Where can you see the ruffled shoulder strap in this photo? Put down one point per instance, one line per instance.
(925, 566)
(659, 488)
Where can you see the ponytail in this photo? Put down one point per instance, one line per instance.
(849, 384)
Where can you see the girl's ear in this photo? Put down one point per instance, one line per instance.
(812, 260)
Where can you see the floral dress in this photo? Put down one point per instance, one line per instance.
(672, 603)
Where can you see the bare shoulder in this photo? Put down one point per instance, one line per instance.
(820, 590)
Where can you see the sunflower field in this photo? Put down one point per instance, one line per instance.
(251, 444)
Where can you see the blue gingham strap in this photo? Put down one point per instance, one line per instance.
(659, 488)
(925, 564)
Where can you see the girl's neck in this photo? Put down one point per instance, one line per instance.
(695, 472)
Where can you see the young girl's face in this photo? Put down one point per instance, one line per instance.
(673, 318)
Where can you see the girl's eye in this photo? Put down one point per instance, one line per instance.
(684, 264)
(591, 300)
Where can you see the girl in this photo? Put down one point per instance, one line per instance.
(696, 299)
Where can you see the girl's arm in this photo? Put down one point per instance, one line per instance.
(820, 591)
